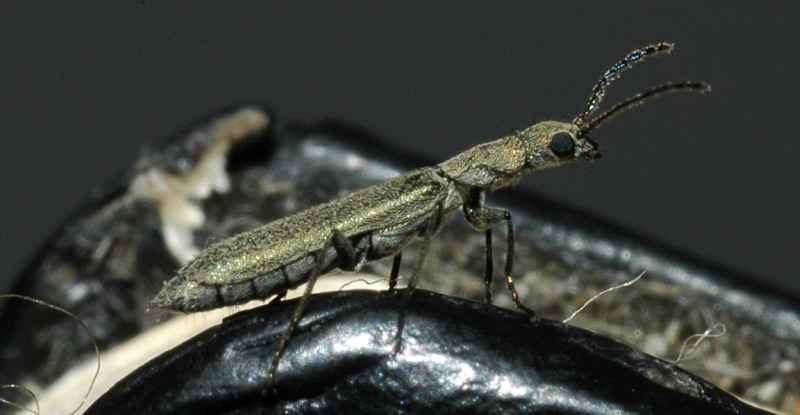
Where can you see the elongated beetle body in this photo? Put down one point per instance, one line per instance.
(380, 221)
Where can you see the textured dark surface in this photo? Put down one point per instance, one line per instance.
(457, 357)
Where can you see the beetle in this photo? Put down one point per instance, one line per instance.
(382, 220)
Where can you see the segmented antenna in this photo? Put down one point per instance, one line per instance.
(637, 55)
(640, 98)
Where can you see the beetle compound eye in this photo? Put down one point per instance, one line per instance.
(561, 145)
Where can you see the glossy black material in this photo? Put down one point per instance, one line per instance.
(457, 357)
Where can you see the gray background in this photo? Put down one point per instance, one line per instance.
(84, 87)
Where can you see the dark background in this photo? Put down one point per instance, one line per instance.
(83, 88)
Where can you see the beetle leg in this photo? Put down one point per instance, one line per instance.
(482, 218)
(427, 235)
(343, 248)
(395, 271)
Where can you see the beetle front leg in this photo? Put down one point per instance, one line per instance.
(482, 218)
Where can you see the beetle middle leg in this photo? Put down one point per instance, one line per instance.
(348, 258)
(427, 234)
(482, 218)
(393, 276)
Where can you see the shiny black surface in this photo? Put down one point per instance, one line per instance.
(457, 357)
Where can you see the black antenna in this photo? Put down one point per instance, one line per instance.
(637, 55)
